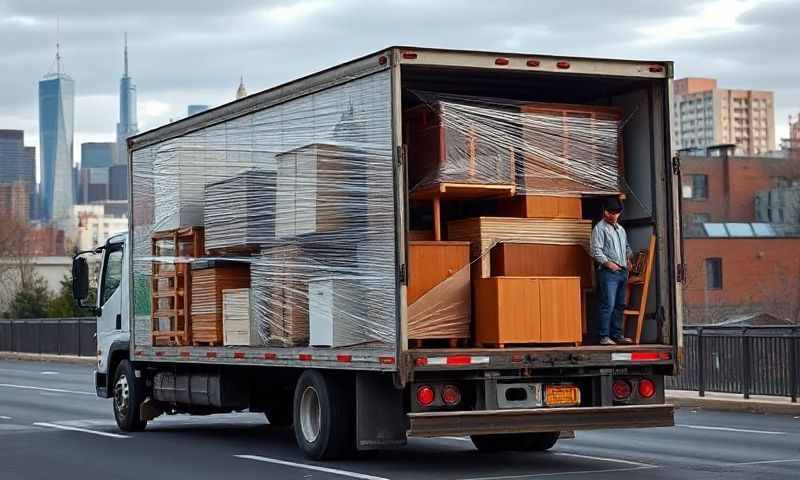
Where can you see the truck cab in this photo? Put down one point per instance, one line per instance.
(109, 305)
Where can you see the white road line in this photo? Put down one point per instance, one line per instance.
(310, 467)
(552, 474)
(43, 389)
(729, 429)
(762, 462)
(84, 430)
(3, 417)
(48, 372)
(604, 459)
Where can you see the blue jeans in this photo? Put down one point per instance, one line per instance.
(610, 301)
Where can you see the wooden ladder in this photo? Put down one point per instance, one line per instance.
(641, 274)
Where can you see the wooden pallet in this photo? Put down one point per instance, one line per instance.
(171, 284)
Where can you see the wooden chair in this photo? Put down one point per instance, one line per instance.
(640, 276)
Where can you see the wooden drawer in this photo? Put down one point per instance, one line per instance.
(523, 310)
(540, 206)
(430, 263)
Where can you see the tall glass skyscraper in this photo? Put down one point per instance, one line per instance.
(127, 112)
(56, 120)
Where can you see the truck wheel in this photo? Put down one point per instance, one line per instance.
(324, 415)
(515, 442)
(128, 394)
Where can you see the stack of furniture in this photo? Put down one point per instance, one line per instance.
(320, 189)
(570, 148)
(237, 322)
(280, 277)
(209, 279)
(337, 308)
(171, 284)
(239, 213)
(438, 294)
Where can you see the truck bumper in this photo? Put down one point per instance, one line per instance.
(436, 424)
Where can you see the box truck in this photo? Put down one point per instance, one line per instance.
(399, 246)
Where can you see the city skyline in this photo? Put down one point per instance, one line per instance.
(127, 124)
(179, 62)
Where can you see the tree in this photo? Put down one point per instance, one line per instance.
(31, 301)
(62, 305)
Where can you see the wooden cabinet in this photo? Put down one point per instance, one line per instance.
(209, 279)
(440, 270)
(540, 206)
(542, 260)
(442, 152)
(570, 148)
(524, 310)
(430, 263)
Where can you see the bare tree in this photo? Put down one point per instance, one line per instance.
(16, 270)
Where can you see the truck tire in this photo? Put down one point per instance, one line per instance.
(324, 415)
(515, 442)
(128, 394)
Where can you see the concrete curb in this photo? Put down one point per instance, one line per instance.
(46, 357)
(733, 403)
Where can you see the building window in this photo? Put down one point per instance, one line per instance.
(696, 188)
(713, 273)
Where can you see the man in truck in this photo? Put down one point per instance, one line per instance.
(611, 251)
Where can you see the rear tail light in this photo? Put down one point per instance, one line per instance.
(621, 389)
(451, 395)
(647, 388)
(425, 395)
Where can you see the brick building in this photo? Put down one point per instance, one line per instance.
(737, 263)
(15, 201)
(720, 187)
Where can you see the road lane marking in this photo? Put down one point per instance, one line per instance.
(50, 372)
(604, 459)
(310, 467)
(729, 429)
(762, 462)
(3, 417)
(552, 474)
(76, 429)
(44, 389)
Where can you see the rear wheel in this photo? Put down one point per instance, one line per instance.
(324, 415)
(128, 397)
(515, 442)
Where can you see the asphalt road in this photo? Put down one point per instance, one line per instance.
(52, 427)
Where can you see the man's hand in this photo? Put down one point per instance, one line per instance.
(612, 266)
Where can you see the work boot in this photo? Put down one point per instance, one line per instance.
(623, 340)
(607, 341)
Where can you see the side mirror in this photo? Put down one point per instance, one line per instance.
(80, 283)
(80, 280)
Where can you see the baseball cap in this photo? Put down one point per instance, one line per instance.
(612, 205)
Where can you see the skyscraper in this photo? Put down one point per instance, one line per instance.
(241, 92)
(127, 112)
(17, 162)
(705, 115)
(96, 160)
(56, 120)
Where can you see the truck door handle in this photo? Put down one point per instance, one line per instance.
(119, 322)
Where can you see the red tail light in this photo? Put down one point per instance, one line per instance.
(425, 395)
(647, 388)
(621, 389)
(562, 64)
(501, 61)
(451, 395)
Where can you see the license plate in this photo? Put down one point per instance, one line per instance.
(562, 395)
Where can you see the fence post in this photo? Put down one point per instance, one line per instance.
(793, 367)
(78, 353)
(746, 360)
(701, 377)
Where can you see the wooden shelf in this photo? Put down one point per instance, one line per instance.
(453, 191)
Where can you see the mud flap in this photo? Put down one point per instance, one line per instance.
(380, 420)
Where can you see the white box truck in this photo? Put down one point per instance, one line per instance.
(330, 215)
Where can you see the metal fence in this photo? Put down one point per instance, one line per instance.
(61, 336)
(746, 360)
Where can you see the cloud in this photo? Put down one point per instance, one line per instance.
(193, 51)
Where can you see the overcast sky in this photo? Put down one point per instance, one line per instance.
(193, 51)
